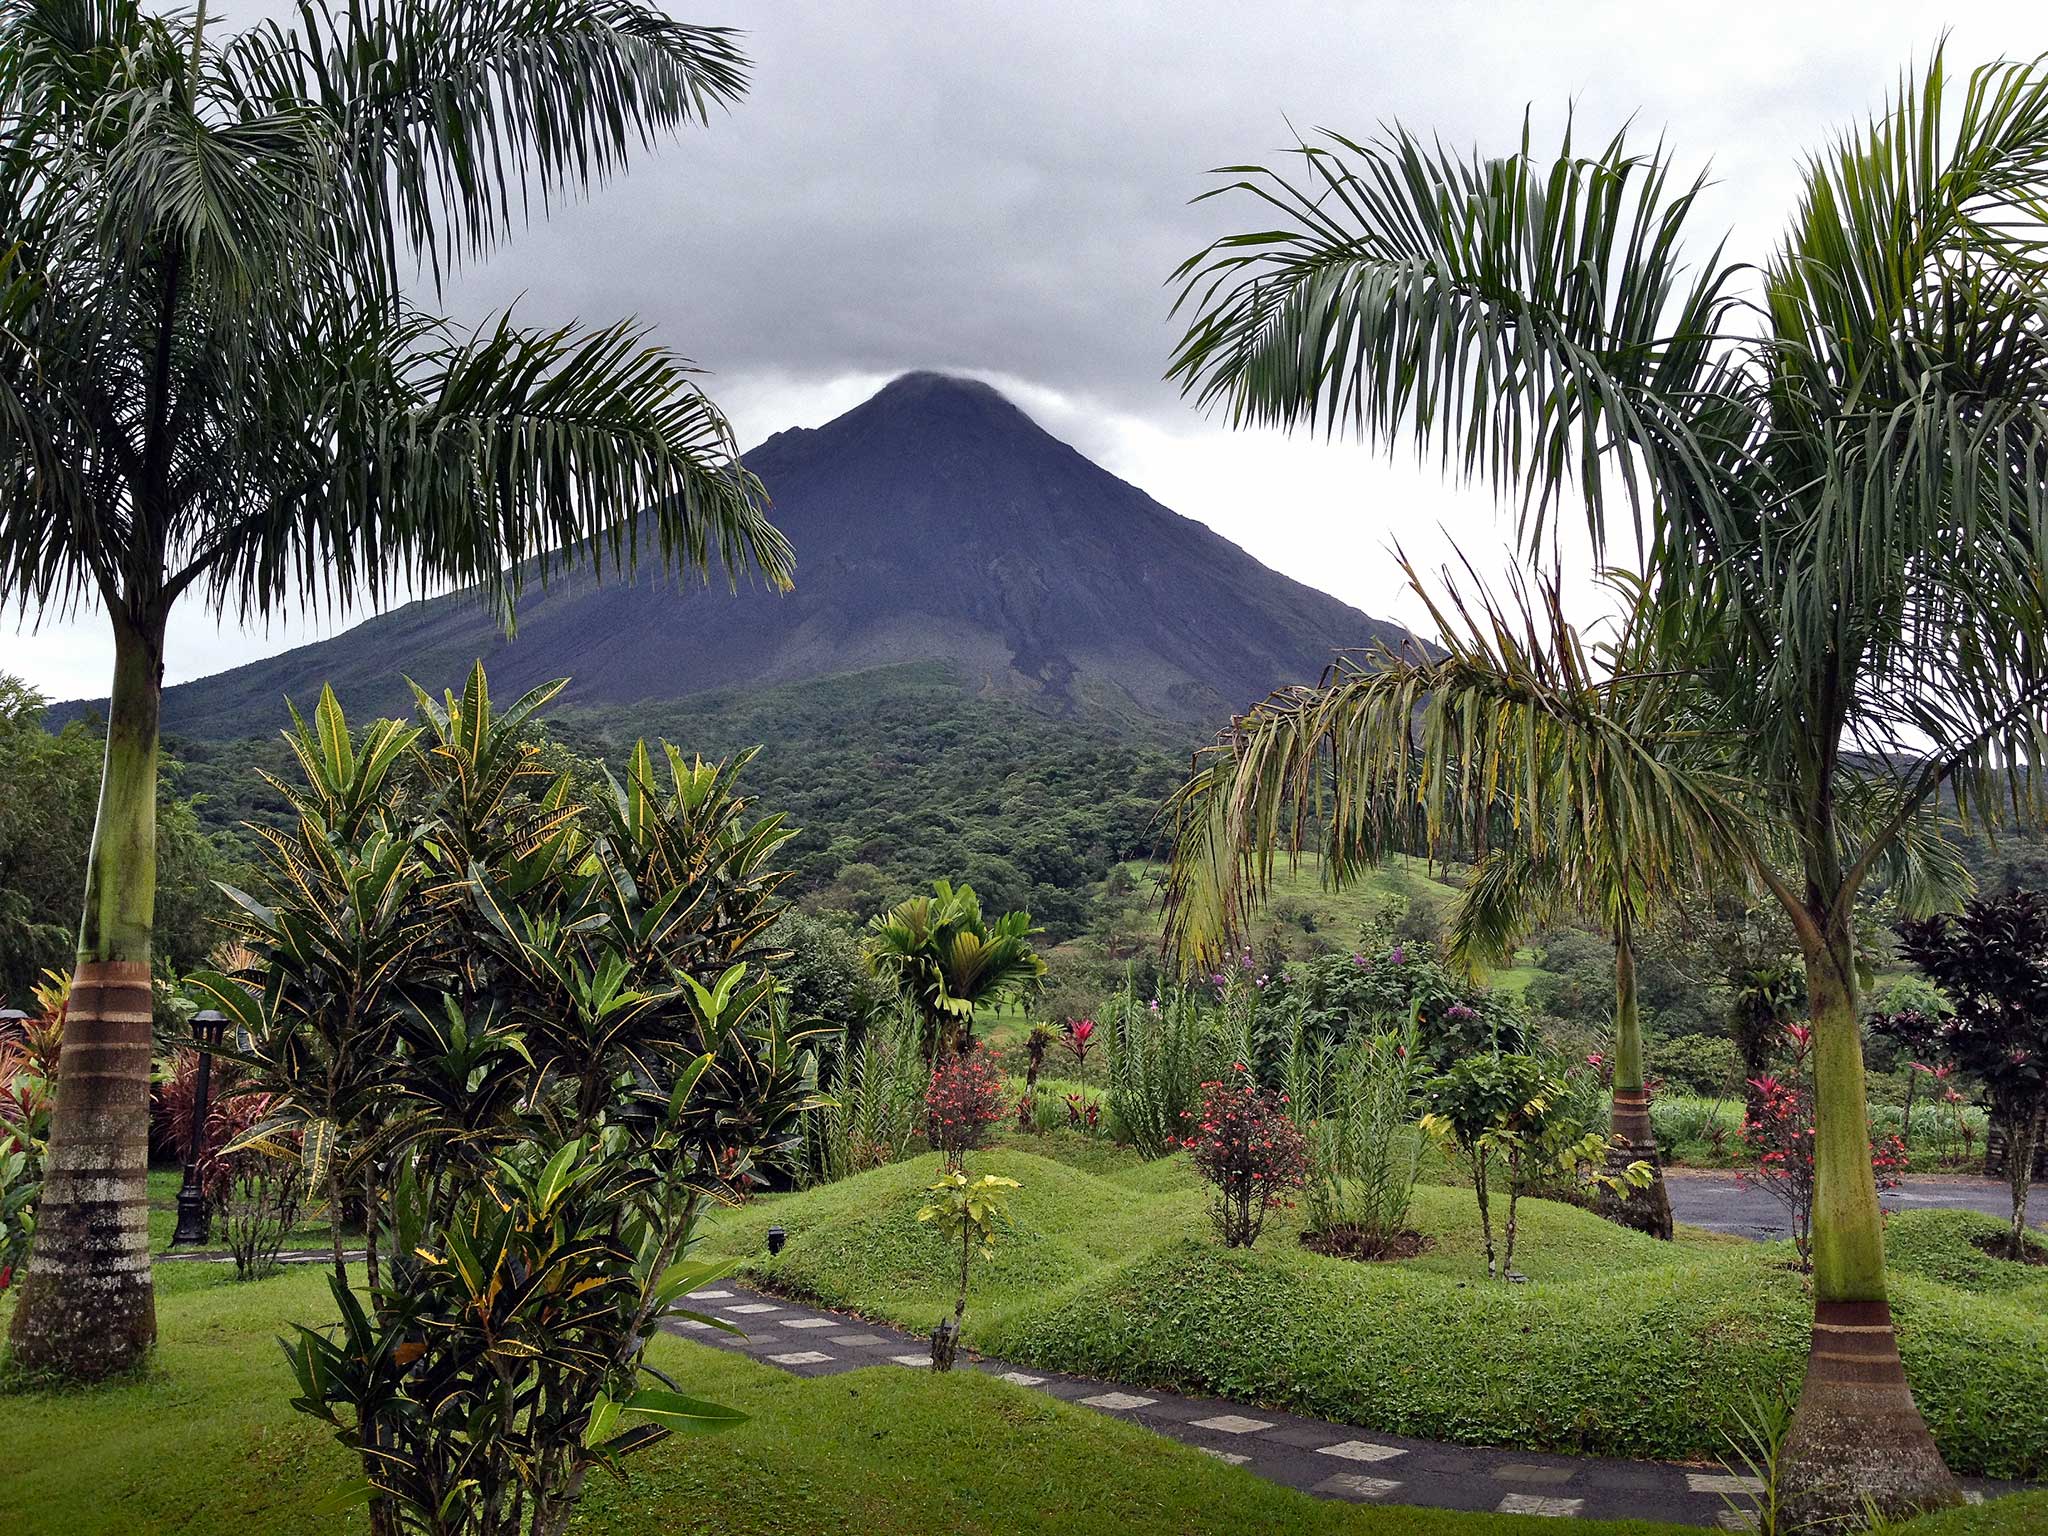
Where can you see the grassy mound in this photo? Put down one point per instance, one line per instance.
(206, 1441)
(1619, 1345)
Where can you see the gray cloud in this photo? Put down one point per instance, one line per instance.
(1004, 188)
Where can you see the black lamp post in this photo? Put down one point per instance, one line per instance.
(194, 1225)
(776, 1238)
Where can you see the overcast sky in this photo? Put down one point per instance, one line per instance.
(1002, 189)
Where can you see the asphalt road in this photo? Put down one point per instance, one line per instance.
(1720, 1202)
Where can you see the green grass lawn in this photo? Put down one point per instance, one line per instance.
(1301, 904)
(207, 1442)
(1619, 1345)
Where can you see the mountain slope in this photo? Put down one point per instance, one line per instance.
(934, 522)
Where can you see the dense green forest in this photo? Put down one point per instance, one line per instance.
(895, 777)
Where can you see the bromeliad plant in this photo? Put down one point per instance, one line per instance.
(533, 1037)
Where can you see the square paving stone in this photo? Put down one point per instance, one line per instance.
(912, 1359)
(1356, 1485)
(808, 1322)
(750, 1309)
(801, 1357)
(1234, 1424)
(691, 1323)
(1117, 1401)
(1361, 1450)
(1305, 1436)
(1619, 1476)
(1530, 1472)
(1537, 1504)
(1723, 1482)
(853, 1340)
(710, 1295)
(1739, 1520)
(1018, 1378)
(1235, 1458)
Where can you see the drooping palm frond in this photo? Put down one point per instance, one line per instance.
(1515, 724)
(1508, 893)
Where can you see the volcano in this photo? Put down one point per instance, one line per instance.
(936, 522)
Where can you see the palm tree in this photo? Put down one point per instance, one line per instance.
(214, 381)
(948, 959)
(1836, 464)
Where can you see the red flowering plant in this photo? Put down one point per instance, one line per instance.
(1245, 1145)
(964, 1099)
(1779, 1134)
(1079, 1040)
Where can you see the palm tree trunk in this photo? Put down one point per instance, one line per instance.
(2021, 1140)
(87, 1309)
(1633, 1138)
(1856, 1435)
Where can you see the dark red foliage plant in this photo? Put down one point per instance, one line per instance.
(1248, 1149)
(965, 1098)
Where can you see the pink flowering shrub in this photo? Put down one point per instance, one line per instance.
(965, 1098)
(1779, 1134)
(1248, 1150)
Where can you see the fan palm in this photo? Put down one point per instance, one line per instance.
(948, 959)
(1836, 465)
(214, 382)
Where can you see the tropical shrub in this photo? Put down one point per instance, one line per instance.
(1392, 979)
(254, 1194)
(28, 1098)
(1249, 1151)
(964, 1099)
(1161, 1051)
(966, 1209)
(1697, 1130)
(1524, 1115)
(1707, 1066)
(1355, 1106)
(946, 959)
(536, 1035)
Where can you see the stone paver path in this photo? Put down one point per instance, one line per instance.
(1332, 1460)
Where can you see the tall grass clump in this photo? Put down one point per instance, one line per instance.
(1161, 1051)
(876, 1098)
(1355, 1105)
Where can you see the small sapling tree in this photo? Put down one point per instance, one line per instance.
(965, 1211)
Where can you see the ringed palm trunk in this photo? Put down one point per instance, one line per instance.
(87, 1309)
(1633, 1138)
(1857, 1436)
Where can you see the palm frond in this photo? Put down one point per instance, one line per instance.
(1522, 318)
